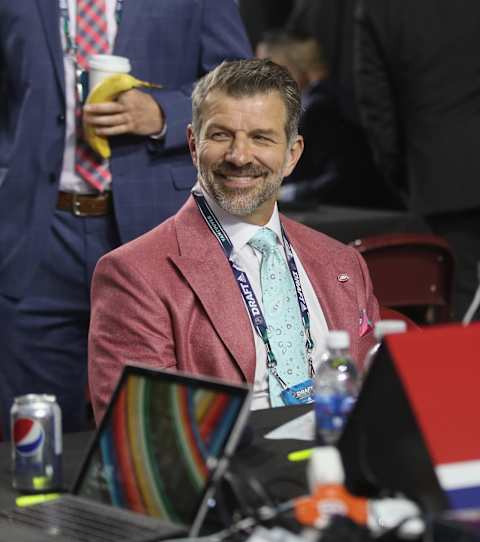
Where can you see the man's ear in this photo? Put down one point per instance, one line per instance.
(192, 144)
(293, 155)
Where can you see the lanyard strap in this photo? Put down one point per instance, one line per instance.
(256, 315)
(302, 303)
(65, 17)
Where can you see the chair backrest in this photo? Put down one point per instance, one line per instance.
(387, 313)
(411, 272)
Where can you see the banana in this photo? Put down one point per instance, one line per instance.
(107, 91)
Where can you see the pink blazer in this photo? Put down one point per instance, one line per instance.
(169, 299)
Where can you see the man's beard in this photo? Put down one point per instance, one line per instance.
(240, 201)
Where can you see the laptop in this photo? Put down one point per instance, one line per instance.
(151, 469)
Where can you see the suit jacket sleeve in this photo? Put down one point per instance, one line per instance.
(127, 316)
(222, 37)
(375, 89)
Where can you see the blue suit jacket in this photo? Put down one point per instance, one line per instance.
(172, 42)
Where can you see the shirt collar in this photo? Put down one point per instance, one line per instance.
(239, 231)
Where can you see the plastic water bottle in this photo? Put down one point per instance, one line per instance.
(336, 387)
(382, 328)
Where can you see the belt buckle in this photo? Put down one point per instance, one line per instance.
(76, 206)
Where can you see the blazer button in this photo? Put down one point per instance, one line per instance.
(61, 118)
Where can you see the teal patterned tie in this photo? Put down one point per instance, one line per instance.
(282, 314)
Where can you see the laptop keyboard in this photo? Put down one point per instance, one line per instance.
(79, 521)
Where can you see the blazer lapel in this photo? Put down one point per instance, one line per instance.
(50, 17)
(128, 26)
(338, 298)
(319, 274)
(322, 277)
(206, 269)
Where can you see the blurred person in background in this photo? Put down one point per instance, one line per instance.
(330, 22)
(61, 207)
(336, 166)
(264, 15)
(418, 86)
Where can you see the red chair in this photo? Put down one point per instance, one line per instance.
(386, 313)
(412, 273)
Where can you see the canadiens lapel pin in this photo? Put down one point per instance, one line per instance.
(343, 277)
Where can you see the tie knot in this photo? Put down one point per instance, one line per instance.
(265, 240)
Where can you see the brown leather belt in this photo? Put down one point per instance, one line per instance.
(85, 204)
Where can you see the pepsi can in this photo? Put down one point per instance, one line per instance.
(36, 426)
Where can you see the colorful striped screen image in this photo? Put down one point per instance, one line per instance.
(157, 445)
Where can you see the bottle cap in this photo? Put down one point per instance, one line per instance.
(338, 339)
(389, 327)
(325, 467)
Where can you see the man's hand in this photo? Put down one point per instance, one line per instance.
(134, 112)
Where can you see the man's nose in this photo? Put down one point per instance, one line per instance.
(239, 152)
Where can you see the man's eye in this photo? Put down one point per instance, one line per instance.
(219, 136)
(262, 138)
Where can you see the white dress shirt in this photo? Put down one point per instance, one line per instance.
(69, 180)
(249, 260)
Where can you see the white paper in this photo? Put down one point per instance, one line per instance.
(301, 428)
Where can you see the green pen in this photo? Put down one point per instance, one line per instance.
(300, 455)
(29, 500)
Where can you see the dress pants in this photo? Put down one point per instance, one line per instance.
(462, 231)
(43, 336)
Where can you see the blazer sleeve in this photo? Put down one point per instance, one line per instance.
(222, 37)
(127, 315)
(375, 91)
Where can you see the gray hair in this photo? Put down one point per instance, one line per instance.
(241, 78)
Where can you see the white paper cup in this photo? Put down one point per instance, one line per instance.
(102, 66)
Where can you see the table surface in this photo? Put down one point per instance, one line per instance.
(264, 459)
(349, 223)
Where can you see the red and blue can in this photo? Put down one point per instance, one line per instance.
(36, 425)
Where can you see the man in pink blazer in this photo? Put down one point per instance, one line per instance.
(170, 299)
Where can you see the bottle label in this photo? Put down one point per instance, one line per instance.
(331, 410)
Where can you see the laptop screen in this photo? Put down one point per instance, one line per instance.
(160, 442)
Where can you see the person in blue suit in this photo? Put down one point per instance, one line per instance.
(53, 225)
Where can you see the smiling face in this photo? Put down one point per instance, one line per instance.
(242, 154)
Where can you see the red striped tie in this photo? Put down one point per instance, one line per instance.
(91, 38)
